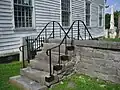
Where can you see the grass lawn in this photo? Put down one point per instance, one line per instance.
(74, 82)
(112, 40)
(82, 82)
(6, 71)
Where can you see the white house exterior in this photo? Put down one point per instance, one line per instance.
(20, 18)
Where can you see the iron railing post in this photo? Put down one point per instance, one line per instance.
(28, 51)
(72, 36)
(53, 29)
(85, 33)
(59, 57)
(23, 57)
(78, 30)
(66, 45)
(60, 32)
(50, 62)
(46, 35)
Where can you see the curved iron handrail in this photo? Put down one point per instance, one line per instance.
(48, 51)
(43, 31)
(67, 34)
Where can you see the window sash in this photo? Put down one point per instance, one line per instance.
(22, 14)
(100, 15)
(88, 16)
(65, 11)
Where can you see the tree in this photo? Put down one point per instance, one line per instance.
(107, 19)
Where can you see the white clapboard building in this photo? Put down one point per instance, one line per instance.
(21, 18)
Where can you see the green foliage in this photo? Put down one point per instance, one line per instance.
(74, 82)
(82, 82)
(6, 71)
(112, 40)
(107, 19)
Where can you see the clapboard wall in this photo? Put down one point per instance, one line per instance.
(44, 11)
(78, 13)
(8, 40)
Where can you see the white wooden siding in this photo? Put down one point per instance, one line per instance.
(8, 41)
(45, 11)
(95, 29)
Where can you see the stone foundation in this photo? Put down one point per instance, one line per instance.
(99, 62)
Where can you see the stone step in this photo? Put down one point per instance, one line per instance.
(40, 65)
(42, 56)
(65, 58)
(62, 47)
(50, 45)
(38, 76)
(26, 84)
(59, 40)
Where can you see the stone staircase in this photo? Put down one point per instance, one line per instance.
(34, 76)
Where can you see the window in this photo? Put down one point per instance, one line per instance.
(100, 15)
(88, 13)
(23, 13)
(65, 7)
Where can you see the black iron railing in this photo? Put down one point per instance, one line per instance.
(86, 35)
(34, 44)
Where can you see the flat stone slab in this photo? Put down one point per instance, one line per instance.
(38, 76)
(26, 84)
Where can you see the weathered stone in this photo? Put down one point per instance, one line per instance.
(101, 76)
(110, 64)
(26, 84)
(109, 71)
(89, 60)
(38, 76)
(118, 73)
(71, 85)
(100, 62)
(40, 65)
(111, 57)
(50, 45)
(113, 78)
(98, 55)
(83, 65)
(118, 65)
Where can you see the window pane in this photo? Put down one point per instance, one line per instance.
(23, 14)
(65, 12)
(15, 1)
(88, 20)
(19, 1)
(87, 8)
(100, 15)
(88, 13)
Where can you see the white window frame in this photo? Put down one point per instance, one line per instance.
(85, 11)
(99, 16)
(33, 18)
(70, 17)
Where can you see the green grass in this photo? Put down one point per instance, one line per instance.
(74, 82)
(6, 71)
(82, 82)
(112, 40)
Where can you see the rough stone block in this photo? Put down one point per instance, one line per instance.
(87, 60)
(100, 62)
(97, 54)
(109, 71)
(101, 76)
(40, 65)
(114, 78)
(26, 84)
(50, 45)
(118, 73)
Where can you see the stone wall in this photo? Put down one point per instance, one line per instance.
(101, 63)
